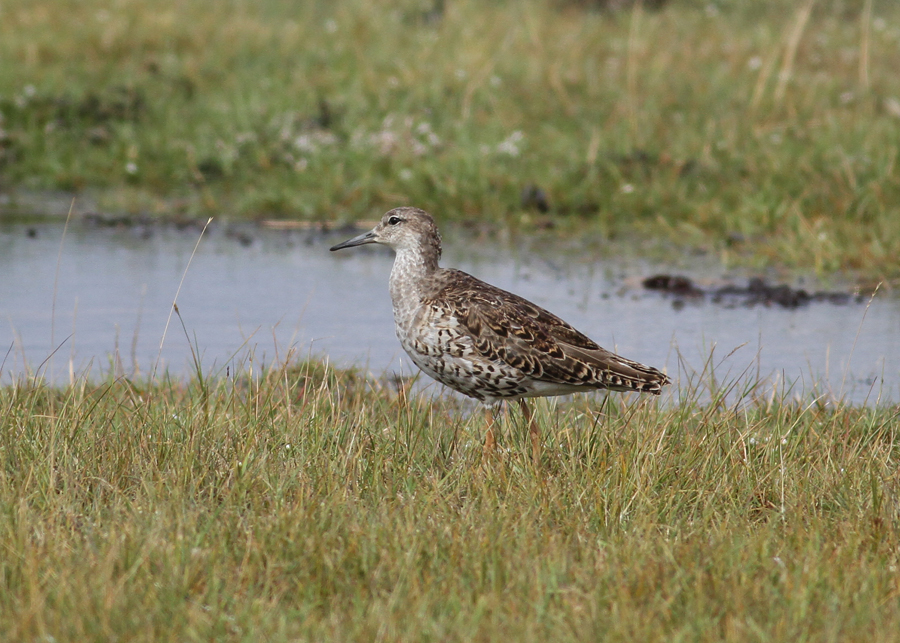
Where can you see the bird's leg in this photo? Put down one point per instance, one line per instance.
(533, 431)
(490, 443)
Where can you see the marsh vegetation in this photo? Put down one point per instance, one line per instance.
(765, 130)
(300, 502)
(305, 503)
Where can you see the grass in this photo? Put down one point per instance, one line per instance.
(762, 131)
(304, 503)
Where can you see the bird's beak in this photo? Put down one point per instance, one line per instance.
(364, 238)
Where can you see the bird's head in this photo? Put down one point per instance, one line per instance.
(402, 229)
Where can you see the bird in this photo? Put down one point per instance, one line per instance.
(485, 342)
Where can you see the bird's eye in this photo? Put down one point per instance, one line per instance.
(394, 220)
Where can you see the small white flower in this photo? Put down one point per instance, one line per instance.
(628, 188)
(405, 174)
(754, 63)
(304, 143)
(386, 141)
(510, 145)
(131, 168)
(892, 105)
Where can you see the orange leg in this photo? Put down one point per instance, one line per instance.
(490, 443)
(533, 431)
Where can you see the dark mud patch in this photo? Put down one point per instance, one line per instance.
(145, 226)
(757, 292)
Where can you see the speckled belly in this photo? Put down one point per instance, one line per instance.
(451, 359)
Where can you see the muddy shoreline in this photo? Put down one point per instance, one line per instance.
(748, 289)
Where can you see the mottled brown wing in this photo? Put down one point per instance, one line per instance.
(509, 328)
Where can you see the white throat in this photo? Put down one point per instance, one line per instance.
(407, 286)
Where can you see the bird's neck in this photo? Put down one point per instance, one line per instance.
(412, 268)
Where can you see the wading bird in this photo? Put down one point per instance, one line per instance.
(485, 342)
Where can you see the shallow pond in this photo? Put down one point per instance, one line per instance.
(100, 297)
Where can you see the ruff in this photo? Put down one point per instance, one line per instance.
(485, 342)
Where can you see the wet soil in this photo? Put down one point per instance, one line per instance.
(757, 292)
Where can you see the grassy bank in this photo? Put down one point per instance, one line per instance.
(765, 128)
(308, 504)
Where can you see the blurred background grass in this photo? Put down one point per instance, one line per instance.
(766, 130)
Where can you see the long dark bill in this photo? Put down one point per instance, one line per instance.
(366, 237)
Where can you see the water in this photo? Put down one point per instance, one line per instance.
(101, 299)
